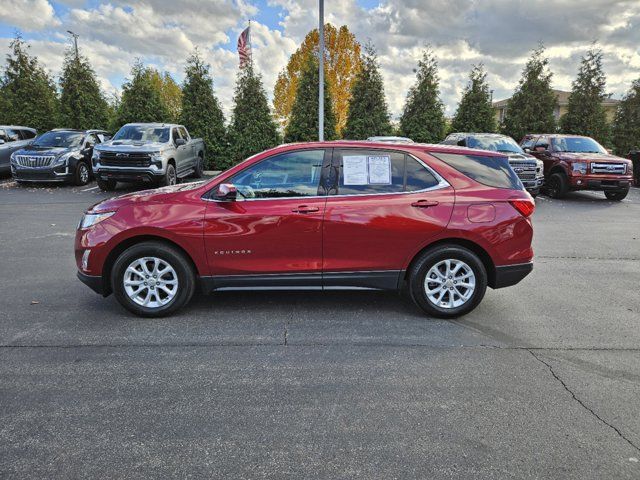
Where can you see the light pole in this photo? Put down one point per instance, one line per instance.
(321, 73)
(75, 41)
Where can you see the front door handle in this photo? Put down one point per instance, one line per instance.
(424, 203)
(305, 209)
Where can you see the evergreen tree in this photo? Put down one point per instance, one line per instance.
(530, 110)
(28, 94)
(475, 113)
(141, 99)
(626, 126)
(368, 114)
(303, 125)
(422, 119)
(252, 129)
(170, 92)
(82, 104)
(585, 113)
(201, 112)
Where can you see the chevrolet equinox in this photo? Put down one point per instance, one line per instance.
(442, 221)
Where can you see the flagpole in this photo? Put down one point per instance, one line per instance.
(321, 72)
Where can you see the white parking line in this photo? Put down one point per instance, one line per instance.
(89, 189)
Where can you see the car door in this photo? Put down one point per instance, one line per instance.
(190, 153)
(272, 233)
(541, 150)
(383, 207)
(182, 154)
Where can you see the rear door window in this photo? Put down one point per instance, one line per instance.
(488, 170)
(418, 177)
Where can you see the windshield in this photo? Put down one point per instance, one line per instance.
(495, 144)
(577, 144)
(143, 133)
(60, 139)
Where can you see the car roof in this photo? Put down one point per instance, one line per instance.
(554, 135)
(479, 134)
(406, 147)
(155, 124)
(18, 126)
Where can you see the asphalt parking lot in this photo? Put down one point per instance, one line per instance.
(541, 381)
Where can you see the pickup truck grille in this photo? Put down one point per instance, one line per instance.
(33, 161)
(524, 170)
(113, 159)
(609, 168)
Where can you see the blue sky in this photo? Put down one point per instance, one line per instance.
(498, 33)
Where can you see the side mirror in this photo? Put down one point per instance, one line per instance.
(462, 143)
(1, 141)
(526, 150)
(227, 191)
(180, 141)
(540, 149)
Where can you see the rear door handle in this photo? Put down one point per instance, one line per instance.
(424, 203)
(305, 209)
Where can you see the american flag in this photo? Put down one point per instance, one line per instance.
(244, 47)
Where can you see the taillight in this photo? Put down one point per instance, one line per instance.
(524, 207)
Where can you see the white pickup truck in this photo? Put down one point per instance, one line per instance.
(157, 153)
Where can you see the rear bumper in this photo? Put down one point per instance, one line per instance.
(508, 275)
(93, 282)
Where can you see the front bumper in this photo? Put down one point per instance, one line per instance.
(601, 182)
(128, 174)
(533, 185)
(93, 282)
(60, 173)
(508, 275)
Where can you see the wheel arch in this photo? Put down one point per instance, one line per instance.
(558, 169)
(129, 242)
(484, 256)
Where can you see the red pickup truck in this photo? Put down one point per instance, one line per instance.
(574, 162)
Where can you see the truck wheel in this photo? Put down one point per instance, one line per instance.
(82, 174)
(557, 186)
(199, 166)
(616, 195)
(106, 185)
(152, 279)
(448, 281)
(170, 177)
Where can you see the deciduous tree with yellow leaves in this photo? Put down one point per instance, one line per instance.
(342, 64)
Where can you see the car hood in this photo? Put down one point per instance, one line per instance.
(157, 195)
(44, 151)
(131, 146)
(520, 157)
(593, 157)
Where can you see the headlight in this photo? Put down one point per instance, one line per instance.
(91, 219)
(580, 168)
(157, 159)
(12, 158)
(96, 155)
(62, 159)
(539, 166)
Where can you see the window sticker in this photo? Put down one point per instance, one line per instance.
(379, 170)
(354, 170)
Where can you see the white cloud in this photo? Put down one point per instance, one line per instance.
(29, 15)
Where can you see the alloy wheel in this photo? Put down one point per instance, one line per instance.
(84, 173)
(450, 283)
(150, 282)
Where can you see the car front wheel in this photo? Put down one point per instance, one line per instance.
(616, 195)
(557, 186)
(170, 177)
(152, 279)
(448, 281)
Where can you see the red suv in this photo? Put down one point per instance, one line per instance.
(444, 221)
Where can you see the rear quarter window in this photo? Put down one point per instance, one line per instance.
(488, 170)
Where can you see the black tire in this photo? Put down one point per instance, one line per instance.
(557, 186)
(172, 256)
(431, 258)
(106, 185)
(170, 177)
(616, 195)
(199, 170)
(82, 175)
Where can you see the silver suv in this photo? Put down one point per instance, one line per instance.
(13, 138)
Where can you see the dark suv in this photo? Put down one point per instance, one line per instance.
(60, 155)
(574, 162)
(527, 168)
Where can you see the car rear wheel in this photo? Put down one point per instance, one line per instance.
(199, 170)
(106, 185)
(82, 174)
(152, 279)
(448, 281)
(557, 186)
(617, 195)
